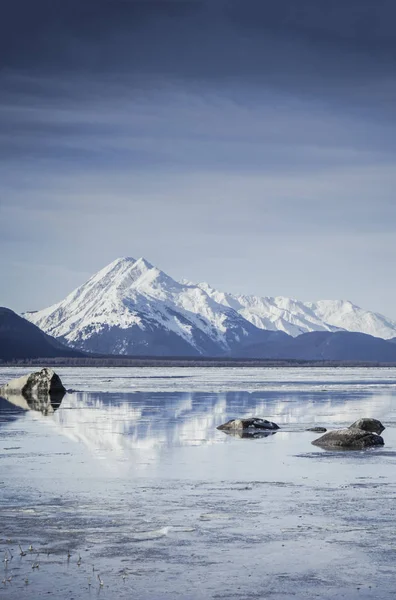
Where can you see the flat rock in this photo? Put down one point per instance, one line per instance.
(349, 438)
(248, 424)
(317, 429)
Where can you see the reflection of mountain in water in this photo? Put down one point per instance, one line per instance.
(140, 420)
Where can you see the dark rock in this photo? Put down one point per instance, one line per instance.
(349, 438)
(317, 429)
(245, 424)
(42, 391)
(372, 425)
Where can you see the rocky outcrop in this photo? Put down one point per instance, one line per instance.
(42, 391)
(364, 433)
(248, 424)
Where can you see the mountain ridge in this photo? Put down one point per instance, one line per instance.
(296, 317)
(343, 346)
(131, 307)
(20, 339)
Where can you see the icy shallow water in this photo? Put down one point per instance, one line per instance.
(131, 475)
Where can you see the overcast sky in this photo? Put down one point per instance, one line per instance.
(248, 144)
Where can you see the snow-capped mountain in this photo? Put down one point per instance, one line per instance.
(295, 317)
(131, 307)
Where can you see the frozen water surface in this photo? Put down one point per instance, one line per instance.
(131, 477)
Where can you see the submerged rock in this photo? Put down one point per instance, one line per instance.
(372, 425)
(317, 429)
(361, 434)
(42, 391)
(248, 424)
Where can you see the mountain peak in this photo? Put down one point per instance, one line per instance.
(131, 306)
(121, 267)
(123, 274)
(143, 263)
(127, 262)
(122, 260)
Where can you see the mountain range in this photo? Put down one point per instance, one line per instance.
(133, 308)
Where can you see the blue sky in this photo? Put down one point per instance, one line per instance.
(248, 144)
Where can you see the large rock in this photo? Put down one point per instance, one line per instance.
(248, 424)
(361, 434)
(372, 425)
(41, 391)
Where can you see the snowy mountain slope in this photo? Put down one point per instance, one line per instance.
(344, 314)
(276, 314)
(131, 307)
(295, 317)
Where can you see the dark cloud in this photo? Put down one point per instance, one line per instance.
(90, 34)
(340, 52)
(196, 39)
(62, 61)
(354, 23)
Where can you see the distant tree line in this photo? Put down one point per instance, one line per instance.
(121, 361)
